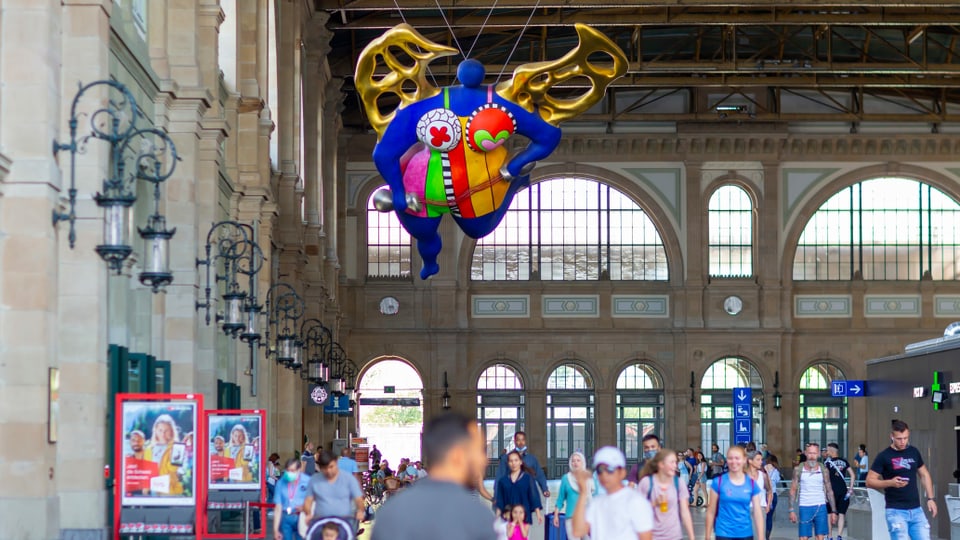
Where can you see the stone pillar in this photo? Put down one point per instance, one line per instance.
(695, 268)
(535, 423)
(604, 418)
(330, 175)
(767, 253)
(30, 33)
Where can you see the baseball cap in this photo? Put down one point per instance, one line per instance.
(610, 456)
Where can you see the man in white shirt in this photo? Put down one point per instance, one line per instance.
(619, 514)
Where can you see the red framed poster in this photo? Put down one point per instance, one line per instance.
(156, 457)
(235, 457)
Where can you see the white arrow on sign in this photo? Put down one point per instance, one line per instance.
(855, 389)
(742, 411)
(741, 396)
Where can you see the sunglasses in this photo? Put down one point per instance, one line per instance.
(607, 469)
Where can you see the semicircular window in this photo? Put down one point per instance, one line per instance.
(571, 228)
(881, 229)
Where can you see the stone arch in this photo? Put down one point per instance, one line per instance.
(668, 232)
(802, 216)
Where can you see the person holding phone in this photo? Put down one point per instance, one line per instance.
(895, 471)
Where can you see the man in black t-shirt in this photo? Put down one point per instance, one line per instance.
(841, 480)
(895, 471)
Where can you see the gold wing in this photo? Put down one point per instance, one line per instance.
(371, 86)
(531, 82)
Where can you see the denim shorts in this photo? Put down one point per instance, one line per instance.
(813, 520)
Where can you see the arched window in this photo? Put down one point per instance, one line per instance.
(570, 413)
(881, 229)
(823, 418)
(388, 245)
(571, 229)
(395, 429)
(731, 232)
(639, 408)
(717, 416)
(500, 410)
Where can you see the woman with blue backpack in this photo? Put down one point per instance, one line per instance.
(735, 511)
(661, 485)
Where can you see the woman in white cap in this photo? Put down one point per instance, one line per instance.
(619, 514)
(570, 492)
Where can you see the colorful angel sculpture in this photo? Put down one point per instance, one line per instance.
(442, 150)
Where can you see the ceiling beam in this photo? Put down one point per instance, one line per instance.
(836, 5)
(659, 17)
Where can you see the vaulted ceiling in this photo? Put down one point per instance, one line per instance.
(699, 61)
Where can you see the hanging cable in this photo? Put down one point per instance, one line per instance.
(404, 19)
(450, 28)
(482, 26)
(514, 49)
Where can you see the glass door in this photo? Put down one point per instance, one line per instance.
(499, 416)
(570, 428)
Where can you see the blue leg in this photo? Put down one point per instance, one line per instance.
(479, 227)
(428, 241)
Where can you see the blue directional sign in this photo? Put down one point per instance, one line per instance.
(742, 415)
(848, 388)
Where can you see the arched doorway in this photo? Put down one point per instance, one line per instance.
(391, 409)
(639, 408)
(716, 401)
(823, 418)
(500, 410)
(570, 416)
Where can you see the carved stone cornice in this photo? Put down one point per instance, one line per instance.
(729, 147)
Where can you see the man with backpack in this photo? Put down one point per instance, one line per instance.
(810, 491)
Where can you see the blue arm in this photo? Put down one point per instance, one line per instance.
(541, 478)
(544, 138)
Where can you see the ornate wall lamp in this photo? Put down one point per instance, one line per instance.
(284, 309)
(777, 396)
(446, 393)
(317, 340)
(236, 254)
(337, 360)
(151, 156)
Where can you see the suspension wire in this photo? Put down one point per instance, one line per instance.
(450, 28)
(522, 30)
(404, 19)
(482, 26)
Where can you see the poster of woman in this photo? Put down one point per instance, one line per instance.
(235, 455)
(158, 458)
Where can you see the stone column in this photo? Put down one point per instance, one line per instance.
(767, 253)
(695, 266)
(330, 175)
(30, 34)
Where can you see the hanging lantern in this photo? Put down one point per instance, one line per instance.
(233, 320)
(156, 253)
(117, 211)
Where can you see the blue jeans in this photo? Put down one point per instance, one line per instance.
(770, 511)
(908, 524)
(288, 527)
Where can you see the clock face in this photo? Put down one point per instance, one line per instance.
(733, 305)
(389, 305)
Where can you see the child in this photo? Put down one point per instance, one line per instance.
(518, 529)
(331, 531)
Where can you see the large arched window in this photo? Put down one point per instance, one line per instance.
(571, 229)
(731, 232)
(500, 410)
(881, 229)
(570, 413)
(388, 245)
(716, 401)
(823, 418)
(639, 408)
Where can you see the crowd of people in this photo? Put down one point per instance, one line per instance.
(601, 498)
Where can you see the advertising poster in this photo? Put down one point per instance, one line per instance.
(158, 453)
(235, 452)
